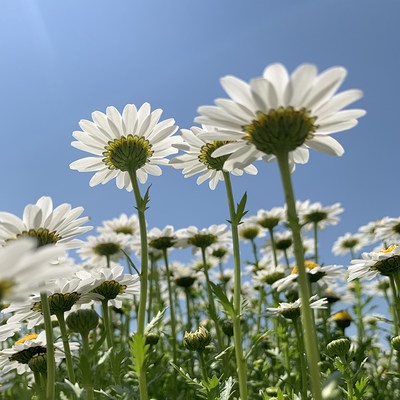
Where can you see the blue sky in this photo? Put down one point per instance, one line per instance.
(62, 60)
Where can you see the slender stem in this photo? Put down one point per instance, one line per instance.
(67, 350)
(300, 344)
(237, 334)
(189, 319)
(109, 336)
(311, 341)
(396, 305)
(286, 258)
(172, 315)
(254, 247)
(141, 207)
(316, 242)
(51, 364)
(271, 234)
(88, 384)
(151, 289)
(259, 307)
(358, 309)
(203, 366)
(213, 311)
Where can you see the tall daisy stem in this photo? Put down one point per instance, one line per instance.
(316, 242)
(310, 336)
(271, 234)
(141, 207)
(172, 315)
(67, 350)
(237, 334)
(300, 344)
(51, 364)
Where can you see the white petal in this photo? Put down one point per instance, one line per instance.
(325, 144)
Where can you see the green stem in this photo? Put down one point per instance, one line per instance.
(88, 384)
(51, 364)
(109, 336)
(189, 319)
(271, 234)
(213, 310)
(396, 305)
(151, 289)
(316, 242)
(237, 334)
(203, 366)
(254, 247)
(259, 307)
(358, 309)
(172, 316)
(300, 344)
(67, 350)
(286, 258)
(141, 207)
(311, 341)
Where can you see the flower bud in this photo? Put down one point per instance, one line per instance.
(395, 342)
(38, 363)
(152, 338)
(83, 321)
(227, 327)
(197, 340)
(339, 347)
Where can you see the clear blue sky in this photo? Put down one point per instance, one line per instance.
(61, 60)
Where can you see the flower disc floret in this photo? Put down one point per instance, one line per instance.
(59, 303)
(216, 163)
(107, 249)
(110, 289)
(42, 235)
(283, 129)
(127, 153)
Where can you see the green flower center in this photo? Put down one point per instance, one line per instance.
(125, 230)
(350, 243)
(210, 162)
(107, 249)
(315, 217)
(202, 241)
(283, 244)
(127, 153)
(110, 289)
(388, 266)
(396, 228)
(26, 355)
(272, 278)
(43, 236)
(58, 302)
(249, 233)
(162, 243)
(280, 130)
(269, 222)
(290, 313)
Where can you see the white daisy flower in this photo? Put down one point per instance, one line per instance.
(124, 224)
(47, 225)
(269, 274)
(197, 158)
(325, 275)
(292, 310)
(24, 350)
(24, 266)
(107, 245)
(383, 262)
(134, 142)
(8, 330)
(278, 111)
(269, 219)
(62, 294)
(215, 235)
(349, 242)
(249, 229)
(111, 284)
(163, 239)
(388, 230)
(309, 214)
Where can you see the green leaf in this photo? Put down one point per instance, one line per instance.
(280, 394)
(219, 292)
(142, 203)
(154, 322)
(138, 349)
(105, 356)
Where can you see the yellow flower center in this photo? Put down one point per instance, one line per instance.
(28, 336)
(308, 264)
(128, 153)
(280, 130)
